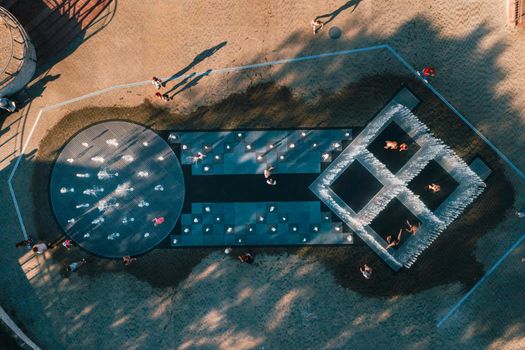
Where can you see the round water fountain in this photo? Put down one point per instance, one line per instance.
(108, 185)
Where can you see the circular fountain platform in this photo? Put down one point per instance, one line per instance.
(110, 182)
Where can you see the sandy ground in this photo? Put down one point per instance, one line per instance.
(282, 301)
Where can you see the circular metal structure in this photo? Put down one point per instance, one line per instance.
(109, 185)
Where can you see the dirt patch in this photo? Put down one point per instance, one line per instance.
(449, 259)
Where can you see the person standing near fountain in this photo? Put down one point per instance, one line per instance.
(393, 242)
(158, 221)
(366, 271)
(156, 82)
(427, 72)
(267, 175)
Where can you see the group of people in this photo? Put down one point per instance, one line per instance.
(158, 83)
(394, 241)
(246, 257)
(410, 228)
(41, 247)
(394, 145)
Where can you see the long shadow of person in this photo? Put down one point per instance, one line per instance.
(37, 89)
(334, 14)
(179, 84)
(199, 58)
(192, 83)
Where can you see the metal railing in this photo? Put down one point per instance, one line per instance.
(12, 24)
(518, 11)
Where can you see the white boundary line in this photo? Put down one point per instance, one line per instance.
(14, 327)
(259, 65)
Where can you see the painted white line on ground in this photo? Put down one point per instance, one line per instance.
(489, 272)
(19, 333)
(9, 180)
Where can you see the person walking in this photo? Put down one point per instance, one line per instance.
(75, 265)
(163, 97)
(156, 82)
(316, 25)
(427, 72)
(267, 175)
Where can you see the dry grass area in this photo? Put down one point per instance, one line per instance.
(449, 259)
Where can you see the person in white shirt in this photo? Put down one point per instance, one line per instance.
(40, 248)
(366, 271)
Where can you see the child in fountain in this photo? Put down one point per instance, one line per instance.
(390, 144)
(158, 221)
(268, 172)
(67, 244)
(392, 242)
(199, 156)
(434, 188)
(271, 182)
(156, 82)
(412, 228)
(403, 147)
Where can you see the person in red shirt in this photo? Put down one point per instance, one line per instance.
(158, 221)
(427, 72)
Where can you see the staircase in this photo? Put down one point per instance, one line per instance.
(53, 24)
